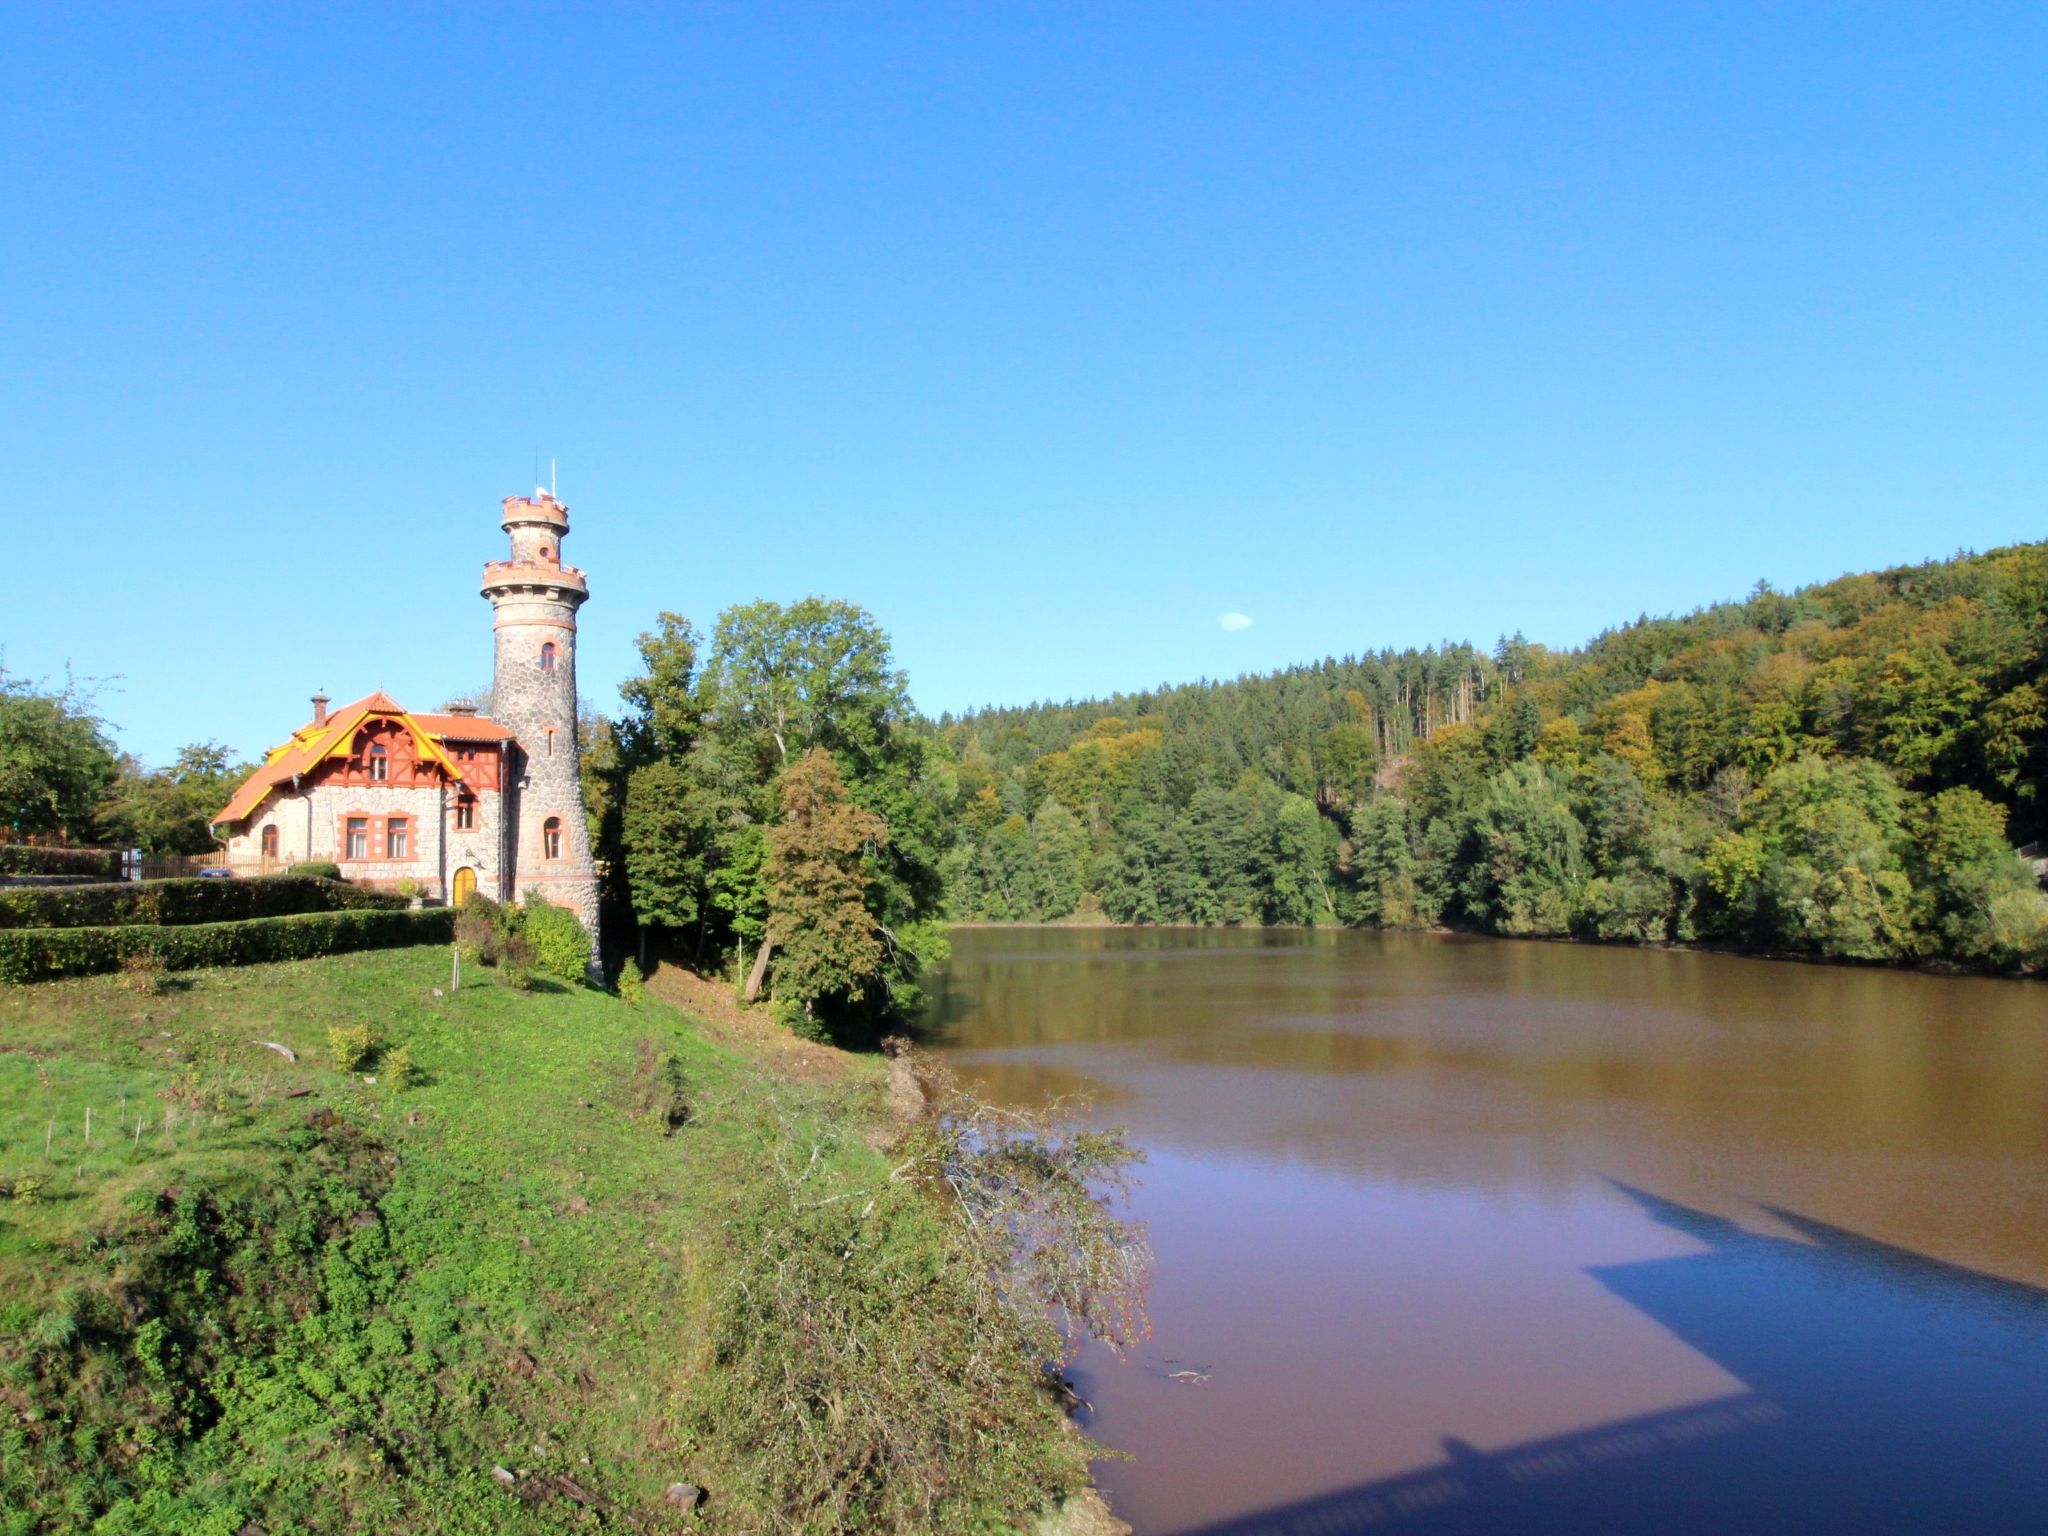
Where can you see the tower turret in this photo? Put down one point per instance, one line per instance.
(534, 598)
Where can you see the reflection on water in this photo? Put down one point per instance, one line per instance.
(1465, 1234)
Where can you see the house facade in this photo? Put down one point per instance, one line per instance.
(453, 801)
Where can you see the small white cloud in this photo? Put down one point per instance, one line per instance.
(1235, 620)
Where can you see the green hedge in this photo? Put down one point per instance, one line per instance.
(41, 954)
(27, 859)
(177, 902)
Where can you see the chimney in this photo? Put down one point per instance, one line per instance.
(320, 702)
(464, 707)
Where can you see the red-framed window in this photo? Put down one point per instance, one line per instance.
(356, 837)
(547, 656)
(551, 838)
(397, 838)
(465, 813)
(269, 842)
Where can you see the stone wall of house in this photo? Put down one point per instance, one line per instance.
(312, 823)
(482, 847)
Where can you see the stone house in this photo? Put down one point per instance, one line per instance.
(454, 802)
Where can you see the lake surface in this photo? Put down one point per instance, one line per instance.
(1465, 1234)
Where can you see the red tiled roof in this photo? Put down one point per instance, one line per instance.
(317, 740)
(465, 728)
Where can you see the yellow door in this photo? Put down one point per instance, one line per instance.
(465, 884)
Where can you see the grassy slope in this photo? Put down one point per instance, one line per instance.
(340, 1311)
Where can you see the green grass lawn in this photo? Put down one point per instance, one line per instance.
(279, 1294)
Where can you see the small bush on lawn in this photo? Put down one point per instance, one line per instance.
(477, 929)
(145, 973)
(561, 947)
(632, 984)
(798, 1020)
(397, 1069)
(516, 962)
(351, 1045)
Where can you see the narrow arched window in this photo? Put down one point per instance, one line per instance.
(270, 842)
(547, 657)
(380, 762)
(551, 838)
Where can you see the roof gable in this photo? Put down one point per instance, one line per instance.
(317, 741)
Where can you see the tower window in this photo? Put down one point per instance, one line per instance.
(547, 656)
(551, 838)
(358, 844)
(465, 813)
(380, 763)
(395, 839)
(270, 842)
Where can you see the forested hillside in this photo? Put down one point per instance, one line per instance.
(1842, 770)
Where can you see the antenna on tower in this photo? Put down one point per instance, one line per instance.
(551, 480)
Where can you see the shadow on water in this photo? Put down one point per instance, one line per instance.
(1887, 1392)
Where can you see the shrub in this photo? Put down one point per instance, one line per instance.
(561, 946)
(173, 902)
(516, 962)
(319, 869)
(632, 984)
(351, 1045)
(397, 1069)
(799, 1020)
(145, 973)
(654, 1096)
(477, 930)
(41, 954)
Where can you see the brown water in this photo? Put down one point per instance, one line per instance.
(1478, 1235)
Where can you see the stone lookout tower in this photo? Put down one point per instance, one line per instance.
(534, 598)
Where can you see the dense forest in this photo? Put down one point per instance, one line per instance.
(1843, 770)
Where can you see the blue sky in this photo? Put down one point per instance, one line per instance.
(1051, 333)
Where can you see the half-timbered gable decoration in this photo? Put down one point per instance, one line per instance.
(387, 794)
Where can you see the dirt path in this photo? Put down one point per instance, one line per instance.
(712, 1001)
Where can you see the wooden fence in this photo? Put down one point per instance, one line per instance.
(170, 866)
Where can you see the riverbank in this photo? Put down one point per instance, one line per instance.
(487, 1279)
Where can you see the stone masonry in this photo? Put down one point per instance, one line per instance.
(534, 598)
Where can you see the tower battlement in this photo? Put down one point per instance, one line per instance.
(540, 507)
